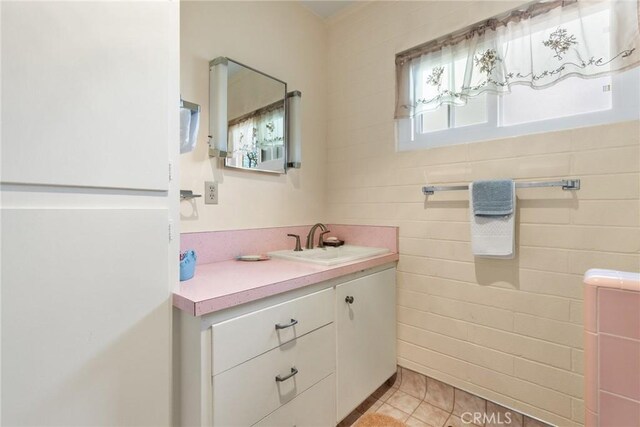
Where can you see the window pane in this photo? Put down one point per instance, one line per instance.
(473, 113)
(435, 120)
(567, 98)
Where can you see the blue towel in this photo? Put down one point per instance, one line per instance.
(492, 198)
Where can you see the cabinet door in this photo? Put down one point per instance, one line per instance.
(366, 337)
(87, 93)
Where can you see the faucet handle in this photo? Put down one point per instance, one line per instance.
(321, 238)
(298, 247)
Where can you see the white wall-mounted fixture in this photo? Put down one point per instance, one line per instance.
(218, 112)
(294, 154)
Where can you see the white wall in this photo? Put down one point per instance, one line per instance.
(282, 39)
(89, 124)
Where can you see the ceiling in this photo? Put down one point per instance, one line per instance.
(326, 8)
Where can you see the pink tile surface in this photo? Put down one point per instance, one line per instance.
(619, 312)
(591, 386)
(612, 348)
(620, 366)
(617, 411)
(225, 284)
(216, 246)
(590, 308)
(613, 279)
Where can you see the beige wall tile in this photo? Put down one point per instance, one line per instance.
(581, 261)
(623, 213)
(524, 167)
(544, 259)
(518, 345)
(577, 361)
(577, 312)
(577, 410)
(459, 349)
(596, 238)
(433, 322)
(549, 330)
(599, 137)
(614, 160)
(610, 187)
(554, 378)
(531, 393)
(550, 283)
(527, 145)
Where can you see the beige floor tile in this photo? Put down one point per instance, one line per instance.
(499, 416)
(414, 422)
(430, 414)
(403, 401)
(468, 403)
(393, 412)
(413, 383)
(439, 394)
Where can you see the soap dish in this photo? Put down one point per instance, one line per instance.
(253, 258)
(334, 243)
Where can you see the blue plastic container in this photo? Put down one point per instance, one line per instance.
(188, 265)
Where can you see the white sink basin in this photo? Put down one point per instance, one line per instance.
(330, 255)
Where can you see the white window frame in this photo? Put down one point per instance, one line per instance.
(625, 105)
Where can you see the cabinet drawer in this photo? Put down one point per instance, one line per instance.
(237, 340)
(246, 393)
(314, 407)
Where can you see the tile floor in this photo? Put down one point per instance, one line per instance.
(420, 401)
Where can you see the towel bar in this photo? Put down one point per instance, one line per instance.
(566, 184)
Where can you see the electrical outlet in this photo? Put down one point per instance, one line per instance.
(211, 193)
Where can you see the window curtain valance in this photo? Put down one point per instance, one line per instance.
(258, 130)
(537, 47)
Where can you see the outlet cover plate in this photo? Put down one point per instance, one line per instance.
(211, 193)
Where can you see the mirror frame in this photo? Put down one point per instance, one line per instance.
(215, 101)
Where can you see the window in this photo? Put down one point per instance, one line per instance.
(563, 67)
(573, 103)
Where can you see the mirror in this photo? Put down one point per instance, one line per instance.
(256, 120)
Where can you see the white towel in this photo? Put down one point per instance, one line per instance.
(189, 124)
(493, 236)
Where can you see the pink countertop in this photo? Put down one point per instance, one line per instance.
(225, 284)
(222, 282)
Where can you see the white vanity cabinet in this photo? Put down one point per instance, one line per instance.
(366, 337)
(272, 362)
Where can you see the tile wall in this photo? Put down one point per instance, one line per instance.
(509, 331)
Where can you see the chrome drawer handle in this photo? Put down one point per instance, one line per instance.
(280, 378)
(287, 325)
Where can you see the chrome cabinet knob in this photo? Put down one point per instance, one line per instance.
(349, 300)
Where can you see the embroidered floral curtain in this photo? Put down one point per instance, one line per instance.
(537, 47)
(257, 136)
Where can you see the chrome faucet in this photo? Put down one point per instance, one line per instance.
(312, 233)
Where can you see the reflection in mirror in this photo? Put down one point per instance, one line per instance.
(256, 120)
